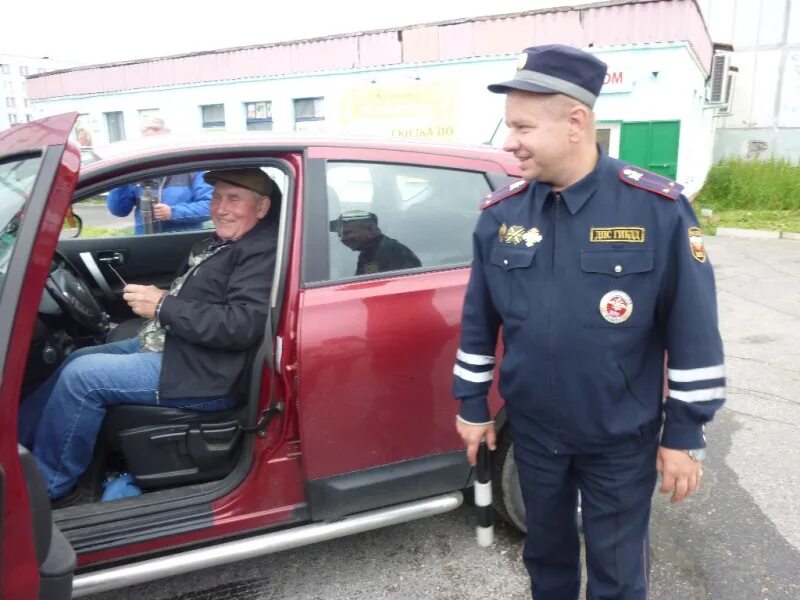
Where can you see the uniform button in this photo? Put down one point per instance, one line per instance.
(167, 328)
(505, 261)
(618, 269)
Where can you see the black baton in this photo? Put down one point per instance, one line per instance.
(483, 497)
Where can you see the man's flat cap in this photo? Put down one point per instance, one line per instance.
(251, 179)
(557, 69)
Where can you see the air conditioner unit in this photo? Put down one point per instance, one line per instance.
(719, 81)
(724, 109)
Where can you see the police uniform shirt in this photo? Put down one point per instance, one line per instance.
(385, 254)
(591, 285)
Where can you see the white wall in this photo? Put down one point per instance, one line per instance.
(660, 82)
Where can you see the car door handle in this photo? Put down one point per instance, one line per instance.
(114, 257)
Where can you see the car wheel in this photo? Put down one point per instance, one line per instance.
(506, 492)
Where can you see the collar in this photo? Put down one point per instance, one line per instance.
(576, 195)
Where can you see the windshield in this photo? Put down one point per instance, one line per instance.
(16, 182)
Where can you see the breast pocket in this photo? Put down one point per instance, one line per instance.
(620, 288)
(511, 280)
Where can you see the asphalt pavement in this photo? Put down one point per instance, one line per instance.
(738, 538)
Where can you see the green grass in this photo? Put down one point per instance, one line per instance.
(772, 220)
(752, 194)
(90, 231)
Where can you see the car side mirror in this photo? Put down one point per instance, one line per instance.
(73, 225)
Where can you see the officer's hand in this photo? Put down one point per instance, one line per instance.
(472, 436)
(680, 473)
(162, 212)
(143, 299)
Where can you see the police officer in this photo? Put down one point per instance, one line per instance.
(594, 269)
(359, 231)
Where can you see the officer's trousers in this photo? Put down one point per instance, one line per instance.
(616, 491)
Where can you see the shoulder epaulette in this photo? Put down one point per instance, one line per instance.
(652, 182)
(505, 192)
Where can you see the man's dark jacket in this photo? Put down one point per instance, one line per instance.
(218, 317)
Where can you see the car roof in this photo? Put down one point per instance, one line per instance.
(154, 146)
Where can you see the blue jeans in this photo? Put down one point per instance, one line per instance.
(59, 422)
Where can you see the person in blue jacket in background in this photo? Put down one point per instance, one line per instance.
(184, 198)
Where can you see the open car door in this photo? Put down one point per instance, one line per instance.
(38, 173)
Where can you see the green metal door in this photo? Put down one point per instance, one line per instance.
(651, 145)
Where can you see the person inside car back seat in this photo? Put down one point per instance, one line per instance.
(192, 350)
(179, 202)
(359, 231)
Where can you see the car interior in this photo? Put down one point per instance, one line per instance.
(161, 447)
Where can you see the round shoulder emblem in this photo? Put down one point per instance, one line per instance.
(616, 306)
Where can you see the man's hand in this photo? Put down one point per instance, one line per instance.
(162, 212)
(143, 299)
(680, 473)
(472, 436)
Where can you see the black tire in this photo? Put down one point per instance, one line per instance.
(506, 492)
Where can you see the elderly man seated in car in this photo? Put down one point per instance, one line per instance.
(192, 350)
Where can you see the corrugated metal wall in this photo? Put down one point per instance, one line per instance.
(607, 24)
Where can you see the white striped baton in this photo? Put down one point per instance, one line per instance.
(483, 497)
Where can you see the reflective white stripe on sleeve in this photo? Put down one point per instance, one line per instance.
(474, 359)
(716, 393)
(689, 375)
(470, 376)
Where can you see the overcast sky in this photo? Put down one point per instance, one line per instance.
(92, 31)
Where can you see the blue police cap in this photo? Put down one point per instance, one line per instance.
(557, 69)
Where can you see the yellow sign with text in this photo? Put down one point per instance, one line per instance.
(413, 109)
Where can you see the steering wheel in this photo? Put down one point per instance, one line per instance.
(69, 290)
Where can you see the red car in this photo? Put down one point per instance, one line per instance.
(349, 422)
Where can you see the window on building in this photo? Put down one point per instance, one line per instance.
(308, 113)
(23, 70)
(213, 116)
(5, 69)
(116, 126)
(11, 102)
(29, 118)
(389, 217)
(12, 119)
(258, 115)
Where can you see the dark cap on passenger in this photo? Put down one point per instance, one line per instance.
(252, 179)
(557, 69)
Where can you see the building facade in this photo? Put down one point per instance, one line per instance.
(426, 81)
(15, 106)
(763, 116)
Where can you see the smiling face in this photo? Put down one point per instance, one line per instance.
(542, 135)
(236, 210)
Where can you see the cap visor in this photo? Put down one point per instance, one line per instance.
(507, 86)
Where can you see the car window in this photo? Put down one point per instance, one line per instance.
(132, 209)
(391, 217)
(16, 183)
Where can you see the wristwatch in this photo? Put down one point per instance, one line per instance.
(697, 454)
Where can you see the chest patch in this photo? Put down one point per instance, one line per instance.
(631, 235)
(616, 306)
(517, 234)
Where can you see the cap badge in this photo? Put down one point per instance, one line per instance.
(696, 244)
(616, 306)
(522, 60)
